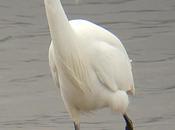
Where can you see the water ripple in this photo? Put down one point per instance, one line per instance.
(99, 2)
(4, 69)
(5, 38)
(4, 6)
(156, 61)
(32, 60)
(15, 22)
(105, 2)
(170, 88)
(160, 22)
(141, 11)
(139, 36)
(151, 27)
(32, 35)
(28, 79)
(24, 16)
(37, 121)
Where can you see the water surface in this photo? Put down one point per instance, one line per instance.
(28, 98)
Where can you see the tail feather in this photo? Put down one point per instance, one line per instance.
(119, 101)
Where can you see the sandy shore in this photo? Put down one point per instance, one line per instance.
(30, 101)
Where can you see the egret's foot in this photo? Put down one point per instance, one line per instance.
(129, 124)
(76, 126)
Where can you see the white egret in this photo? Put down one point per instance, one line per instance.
(89, 64)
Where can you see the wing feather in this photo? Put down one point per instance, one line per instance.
(109, 58)
(112, 67)
(52, 65)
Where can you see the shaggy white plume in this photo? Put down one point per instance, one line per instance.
(119, 101)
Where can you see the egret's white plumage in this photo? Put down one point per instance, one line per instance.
(89, 63)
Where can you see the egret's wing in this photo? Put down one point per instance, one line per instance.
(112, 67)
(52, 65)
(109, 58)
(73, 68)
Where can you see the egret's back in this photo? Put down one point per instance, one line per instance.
(106, 55)
(93, 32)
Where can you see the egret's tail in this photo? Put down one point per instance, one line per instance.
(119, 101)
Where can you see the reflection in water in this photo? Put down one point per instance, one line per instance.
(28, 99)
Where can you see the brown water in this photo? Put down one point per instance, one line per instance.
(28, 98)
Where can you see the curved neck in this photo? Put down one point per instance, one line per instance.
(60, 28)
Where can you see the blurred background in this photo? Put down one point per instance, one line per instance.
(30, 101)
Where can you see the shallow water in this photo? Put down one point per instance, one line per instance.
(28, 98)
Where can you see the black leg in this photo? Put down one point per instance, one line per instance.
(76, 126)
(129, 124)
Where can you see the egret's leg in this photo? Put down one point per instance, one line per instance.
(77, 126)
(129, 124)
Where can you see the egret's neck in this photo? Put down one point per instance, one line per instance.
(60, 28)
